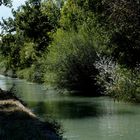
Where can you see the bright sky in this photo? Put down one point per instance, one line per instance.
(6, 12)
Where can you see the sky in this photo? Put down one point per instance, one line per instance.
(5, 12)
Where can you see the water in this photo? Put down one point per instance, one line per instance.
(82, 118)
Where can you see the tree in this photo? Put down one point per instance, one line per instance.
(124, 16)
(33, 24)
(6, 3)
(7, 26)
(52, 10)
(71, 15)
(121, 19)
(10, 48)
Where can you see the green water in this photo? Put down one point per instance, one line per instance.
(82, 118)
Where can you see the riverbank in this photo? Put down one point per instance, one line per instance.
(18, 122)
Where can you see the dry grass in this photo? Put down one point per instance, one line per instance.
(11, 105)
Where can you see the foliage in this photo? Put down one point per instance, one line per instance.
(7, 26)
(7, 3)
(126, 87)
(33, 73)
(75, 44)
(34, 25)
(26, 36)
(122, 18)
(71, 15)
(27, 55)
(51, 10)
(119, 83)
(71, 58)
(10, 50)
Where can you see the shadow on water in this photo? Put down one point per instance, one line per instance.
(70, 110)
(67, 109)
(78, 110)
(16, 124)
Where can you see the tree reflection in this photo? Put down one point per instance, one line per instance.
(68, 109)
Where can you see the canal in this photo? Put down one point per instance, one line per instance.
(81, 118)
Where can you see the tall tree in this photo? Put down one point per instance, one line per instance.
(33, 24)
(124, 17)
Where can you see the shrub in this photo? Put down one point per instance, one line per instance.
(119, 83)
(70, 62)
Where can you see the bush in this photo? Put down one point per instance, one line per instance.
(126, 87)
(119, 83)
(70, 62)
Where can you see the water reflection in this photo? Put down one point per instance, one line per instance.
(77, 110)
(67, 109)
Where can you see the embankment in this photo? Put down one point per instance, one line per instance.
(17, 122)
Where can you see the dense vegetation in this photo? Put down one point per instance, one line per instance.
(78, 45)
